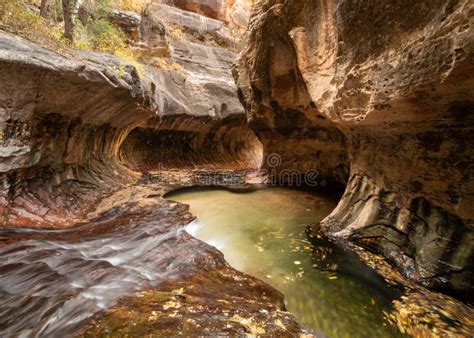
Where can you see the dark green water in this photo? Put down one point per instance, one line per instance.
(263, 233)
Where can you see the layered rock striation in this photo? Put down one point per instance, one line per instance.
(84, 142)
(375, 95)
(232, 12)
(62, 123)
(386, 89)
(70, 123)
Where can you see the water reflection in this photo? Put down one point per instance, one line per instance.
(263, 233)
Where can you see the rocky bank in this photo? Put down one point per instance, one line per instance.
(375, 95)
(381, 94)
(78, 199)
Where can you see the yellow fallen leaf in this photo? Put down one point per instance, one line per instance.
(171, 305)
(280, 324)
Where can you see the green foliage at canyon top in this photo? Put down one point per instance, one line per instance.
(45, 22)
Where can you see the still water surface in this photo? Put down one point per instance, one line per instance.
(263, 233)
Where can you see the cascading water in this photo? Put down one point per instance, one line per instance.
(53, 280)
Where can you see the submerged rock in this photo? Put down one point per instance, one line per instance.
(134, 241)
(376, 95)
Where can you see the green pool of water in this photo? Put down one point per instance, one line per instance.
(263, 233)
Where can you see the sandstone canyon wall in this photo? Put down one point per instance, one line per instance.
(77, 126)
(80, 134)
(382, 90)
(377, 95)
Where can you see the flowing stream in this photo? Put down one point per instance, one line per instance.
(53, 281)
(263, 233)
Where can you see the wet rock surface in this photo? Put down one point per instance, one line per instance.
(387, 87)
(201, 305)
(54, 281)
(81, 210)
(421, 312)
(84, 222)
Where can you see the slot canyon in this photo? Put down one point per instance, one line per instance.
(237, 167)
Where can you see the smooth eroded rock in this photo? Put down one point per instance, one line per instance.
(394, 78)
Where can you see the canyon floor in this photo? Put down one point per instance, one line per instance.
(83, 280)
(370, 102)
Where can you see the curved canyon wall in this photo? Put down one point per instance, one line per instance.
(63, 120)
(70, 123)
(190, 142)
(80, 134)
(384, 90)
(376, 95)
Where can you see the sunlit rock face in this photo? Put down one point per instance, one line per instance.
(394, 81)
(233, 12)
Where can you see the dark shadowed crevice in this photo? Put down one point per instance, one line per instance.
(189, 142)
